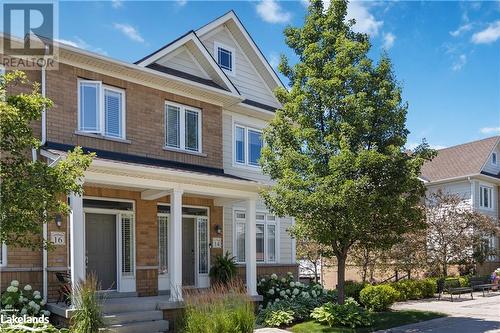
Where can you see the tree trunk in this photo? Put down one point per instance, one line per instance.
(341, 261)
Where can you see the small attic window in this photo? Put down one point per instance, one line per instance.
(225, 57)
(494, 158)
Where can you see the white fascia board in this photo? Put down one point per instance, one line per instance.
(191, 37)
(232, 16)
(466, 177)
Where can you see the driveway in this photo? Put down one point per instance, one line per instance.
(482, 314)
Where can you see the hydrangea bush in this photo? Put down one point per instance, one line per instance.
(25, 300)
(274, 288)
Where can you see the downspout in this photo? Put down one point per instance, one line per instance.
(45, 226)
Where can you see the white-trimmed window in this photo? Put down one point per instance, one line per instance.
(247, 145)
(485, 197)
(225, 57)
(101, 109)
(3, 255)
(265, 237)
(182, 127)
(494, 158)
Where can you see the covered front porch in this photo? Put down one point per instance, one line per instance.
(149, 231)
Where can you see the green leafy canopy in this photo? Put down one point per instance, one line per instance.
(336, 147)
(32, 192)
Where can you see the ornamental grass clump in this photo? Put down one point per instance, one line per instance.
(23, 301)
(224, 308)
(88, 317)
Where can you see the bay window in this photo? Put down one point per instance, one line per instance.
(101, 109)
(182, 127)
(247, 145)
(266, 237)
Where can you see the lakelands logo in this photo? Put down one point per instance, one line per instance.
(29, 31)
(24, 323)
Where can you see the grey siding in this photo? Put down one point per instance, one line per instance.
(183, 61)
(489, 166)
(246, 78)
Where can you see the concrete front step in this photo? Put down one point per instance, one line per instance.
(140, 327)
(131, 317)
(119, 305)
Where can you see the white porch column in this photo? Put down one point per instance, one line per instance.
(77, 239)
(175, 248)
(250, 248)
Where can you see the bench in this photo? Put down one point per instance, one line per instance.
(453, 287)
(481, 283)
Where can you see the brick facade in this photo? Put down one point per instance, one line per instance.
(145, 118)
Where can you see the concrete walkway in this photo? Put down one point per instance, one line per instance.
(482, 314)
(270, 330)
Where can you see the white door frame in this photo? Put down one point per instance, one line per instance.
(201, 280)
(123, 283)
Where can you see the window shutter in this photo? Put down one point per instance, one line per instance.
(163, 244)
(113, 109)
(127, 222)
(89, 107)
(173, 126)
(191, 135)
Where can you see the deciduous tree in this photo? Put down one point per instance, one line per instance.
(336, 147)
(32, 192)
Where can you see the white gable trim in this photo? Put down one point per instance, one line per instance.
(191, 37)
(489, 155)
(232, 16)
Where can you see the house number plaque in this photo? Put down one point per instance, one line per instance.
(216, 243)
(58, 238)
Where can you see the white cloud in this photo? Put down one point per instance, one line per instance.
(270, 11)
(181, 2)
(488, 35)
(389, 39)
(274, 60)
(490, 130)
(365, 21)
(461, 30)
(129, 31)
(459, 63)
(116, 3)
(81, 44)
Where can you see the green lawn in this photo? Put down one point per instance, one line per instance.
(381, 320)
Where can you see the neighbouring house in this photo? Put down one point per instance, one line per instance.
(176, 178)
(471, 171)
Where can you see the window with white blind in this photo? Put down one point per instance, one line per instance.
(127, 250)
(182, 127)
(266, 237)
(163, 244)
(247, 145)
(485, 197)
(101, 109)
(3, 255)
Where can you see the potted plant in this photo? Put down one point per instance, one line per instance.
(223, 269)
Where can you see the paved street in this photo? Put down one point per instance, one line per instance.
(465, 315)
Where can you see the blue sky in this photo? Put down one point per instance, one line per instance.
(445, 54)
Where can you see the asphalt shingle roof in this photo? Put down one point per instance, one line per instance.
(462, 160)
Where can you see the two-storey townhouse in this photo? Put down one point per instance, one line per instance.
(471, 171)
(176, 178)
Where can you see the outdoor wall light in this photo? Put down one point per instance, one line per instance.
(58, 219)
(218, 229)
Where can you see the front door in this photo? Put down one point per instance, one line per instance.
(188, 251)
(100, 246)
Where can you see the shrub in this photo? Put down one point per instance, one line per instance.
(42, 328)
(88, 302)
(348, 314)
(415, 289)
(223, 269)
(277, 318)
(222, 309)
(378, 298)
(353, 288)
(25, 300)
(274, 289)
